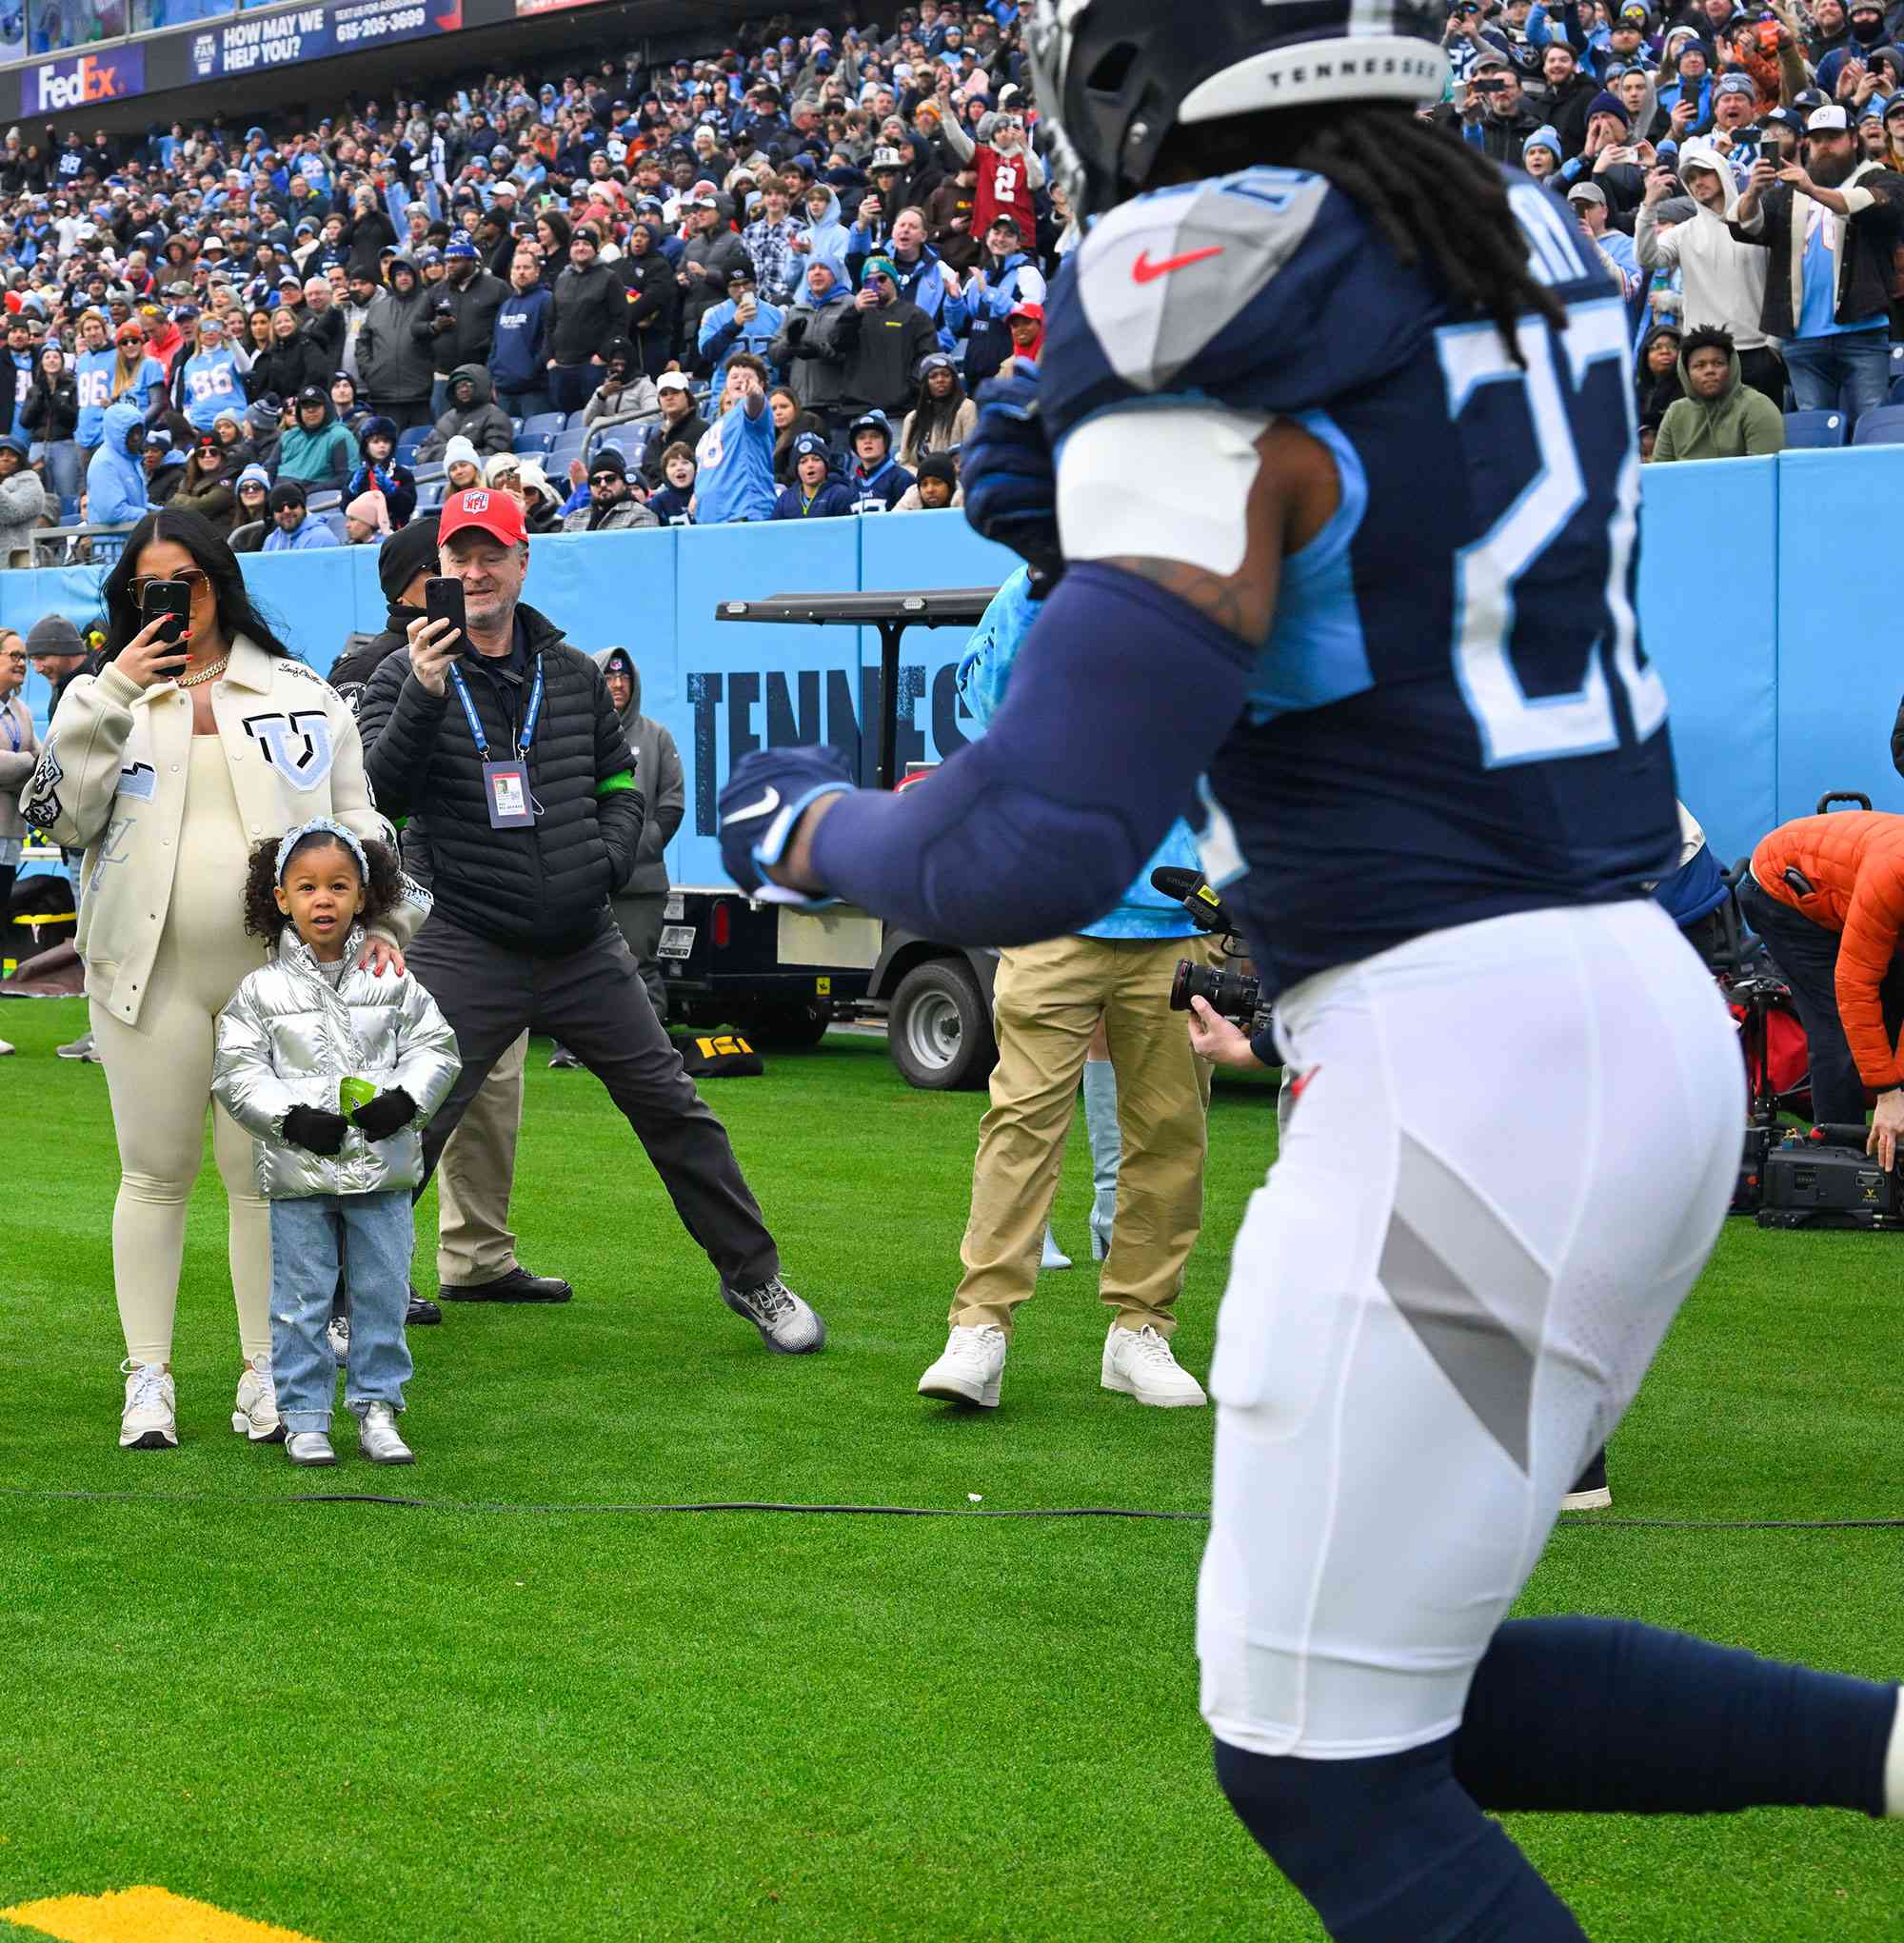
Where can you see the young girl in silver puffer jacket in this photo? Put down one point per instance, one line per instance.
(334, 1071)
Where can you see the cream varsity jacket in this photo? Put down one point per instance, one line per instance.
(110, 781)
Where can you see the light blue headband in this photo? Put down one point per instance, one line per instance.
(322, 827)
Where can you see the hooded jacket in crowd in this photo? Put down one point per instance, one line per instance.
(471, 334)
(587, 309)
(115, 480)
(1737, 422)
(807, 348)
(659, 775)
(396, 483)
(395, 362)
(519, 355)
(1721, 279)
(23, 502)
(833, 497)
(324, 458)
(1653, 396)
(483, 422)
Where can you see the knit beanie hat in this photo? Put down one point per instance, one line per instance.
(460, 450)
(405, 555)
(371, 508)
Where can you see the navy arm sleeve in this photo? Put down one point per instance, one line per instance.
(1119, 696)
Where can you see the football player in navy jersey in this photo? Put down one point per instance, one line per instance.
(1332, 471)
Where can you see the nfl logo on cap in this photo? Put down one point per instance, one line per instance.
(476, 501)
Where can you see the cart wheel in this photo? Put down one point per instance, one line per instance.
(939, 1028)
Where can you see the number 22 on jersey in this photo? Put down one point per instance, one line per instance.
(1516, 554)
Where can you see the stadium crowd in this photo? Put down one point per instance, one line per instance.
(768, 281)
(757, 284)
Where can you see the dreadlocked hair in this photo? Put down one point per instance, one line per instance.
(1438, 203)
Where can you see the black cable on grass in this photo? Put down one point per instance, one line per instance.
(1580, 1522)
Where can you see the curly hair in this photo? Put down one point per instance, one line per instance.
(262, 916)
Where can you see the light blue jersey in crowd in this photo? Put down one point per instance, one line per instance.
(734, 477)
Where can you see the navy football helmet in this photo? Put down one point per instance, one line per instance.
(1115, 76)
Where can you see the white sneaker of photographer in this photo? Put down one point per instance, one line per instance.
(1138, 1362)
(254, 1409)
(150, 1421)
(971, 1369)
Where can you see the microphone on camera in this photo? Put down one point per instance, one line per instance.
(1192, 890)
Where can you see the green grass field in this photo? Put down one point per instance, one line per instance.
(498, 1718)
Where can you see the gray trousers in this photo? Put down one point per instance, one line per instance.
(594, 1002)
(640, 920)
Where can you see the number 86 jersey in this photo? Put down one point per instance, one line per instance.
(1451, 717)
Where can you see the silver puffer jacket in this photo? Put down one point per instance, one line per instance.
(287, 1036)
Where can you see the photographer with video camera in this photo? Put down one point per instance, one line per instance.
(1826, 893)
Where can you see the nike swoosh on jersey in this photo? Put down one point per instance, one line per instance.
(765, 806)
(1144, 271)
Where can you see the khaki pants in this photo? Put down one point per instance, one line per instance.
(1045, 1004)
(474, 1241)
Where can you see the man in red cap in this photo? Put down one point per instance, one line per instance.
(499, 746)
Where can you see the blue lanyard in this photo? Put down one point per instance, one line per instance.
(529, 720)
(12, 728)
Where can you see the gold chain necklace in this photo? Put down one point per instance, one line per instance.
(211, 674)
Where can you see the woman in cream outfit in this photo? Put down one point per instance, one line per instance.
(165, 772)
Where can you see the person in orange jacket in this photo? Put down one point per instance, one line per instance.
(1827, 894)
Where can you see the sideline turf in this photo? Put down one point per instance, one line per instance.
(361, 1722)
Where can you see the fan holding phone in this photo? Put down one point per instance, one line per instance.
(201, 736)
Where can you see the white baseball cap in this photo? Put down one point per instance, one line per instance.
(1830, 120)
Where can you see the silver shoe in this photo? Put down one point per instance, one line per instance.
(378, 1438)
(784, 1322)
(310, 1447)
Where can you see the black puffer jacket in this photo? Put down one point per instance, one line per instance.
(543, 889)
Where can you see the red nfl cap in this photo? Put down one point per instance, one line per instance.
(495, 513)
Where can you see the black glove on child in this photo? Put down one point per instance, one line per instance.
(316, 1131)
(389, 1113)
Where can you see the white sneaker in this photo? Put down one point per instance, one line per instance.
(338, 1335)
(378, 1436)
(6, 1051)
(310, 1447)
(1054, 1256)
(1138, 1363)
(971, 1369)
(254, 1409)
(150, 1421)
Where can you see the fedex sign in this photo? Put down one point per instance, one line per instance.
(82, 81)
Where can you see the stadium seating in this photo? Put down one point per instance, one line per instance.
(1884, 426)
(571, 444)
(1807, 430)
(411, 440)
(532, 444)
(324, 502)
(553, 422)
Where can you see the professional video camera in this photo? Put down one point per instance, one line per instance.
(1823, 1179)
(1234, 994)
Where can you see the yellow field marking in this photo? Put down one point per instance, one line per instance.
(143, 1916)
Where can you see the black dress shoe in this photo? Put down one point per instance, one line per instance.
(519, 1286)
(421, 1311)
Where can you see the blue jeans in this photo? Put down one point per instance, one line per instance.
(1858, 361)
(374, 1236)
(525, 403)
